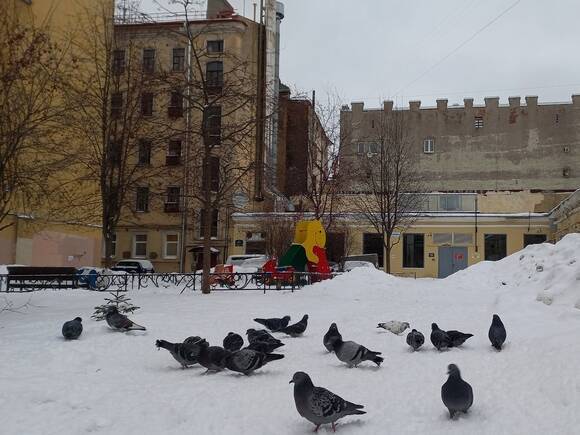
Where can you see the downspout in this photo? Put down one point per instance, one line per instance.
(476, 246)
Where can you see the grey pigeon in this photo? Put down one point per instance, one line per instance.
(213, 358)
(353, 353)
(264, 347)
(261, 335)
(330, 337)
(497, 333)
(274, 324)
(72, 329)
(121, 322)
(439, 338)
(318, 405)
(297, 328)
(186, 354)
(457, 395)
(246, 360)
(457, 338)
(415, 339)
(394, 326)
(233, 342)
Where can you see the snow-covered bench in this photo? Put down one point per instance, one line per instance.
(30, 278)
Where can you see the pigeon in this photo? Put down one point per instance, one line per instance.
(186, 354)
(213, 358)
(497, 333)
(330, 337)
(246, 360)
(439, 338)
(415, 339)
(264, 347)
(296, 329)
(233, 342)
(318, 405)
(72, 329)
(121, 322)
(353, 353)
(457, 338)
(457, 395)
(194, 340)
(261, 335)
(274, 324)
(394, 326)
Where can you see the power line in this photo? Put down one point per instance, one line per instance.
(459, 47)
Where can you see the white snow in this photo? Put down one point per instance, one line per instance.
(110, 383)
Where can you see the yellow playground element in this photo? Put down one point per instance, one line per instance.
(309, 234)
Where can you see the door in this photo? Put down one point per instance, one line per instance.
(451, 259)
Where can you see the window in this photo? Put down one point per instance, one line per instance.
(173, 199)
(147, 104)
(139, 245)
(144, 152)
(214, 74)
(149, 60)
(215, 46)
(413, 250)
(374, 148)
(178, 59)
(173, 153)
(495, 247)
(429, 145)
(116, 105)
(142, 199)
(113, 246)
(214, 165)
(361, 148)
(450, 202)
(214, 223)
(171, 245)
(176, 104)
(114, 152)
(213, 124)
(478, 122)
(118, 61)
(373, 244)
(534, 239)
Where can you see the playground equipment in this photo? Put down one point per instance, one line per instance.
(306, 254)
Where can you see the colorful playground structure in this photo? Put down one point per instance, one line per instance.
(306, 254)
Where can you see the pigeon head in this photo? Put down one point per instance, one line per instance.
(496, 318)
(333, 326)
(250, 331)
(112, 309)
(380, 325)
(434, 327)
(453, 370)
(305, 317)
(406, 324)
(300, 378)
(78, 319)
(286, 318)
(414, 330)
(230, 333)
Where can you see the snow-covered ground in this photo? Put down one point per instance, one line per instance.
(111, 383)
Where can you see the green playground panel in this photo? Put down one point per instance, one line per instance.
(295, 257)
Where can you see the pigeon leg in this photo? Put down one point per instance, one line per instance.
(334, 427)
(316, 428)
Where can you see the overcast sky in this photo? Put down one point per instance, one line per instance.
(372, 50)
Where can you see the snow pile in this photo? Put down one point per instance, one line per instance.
(550, 272)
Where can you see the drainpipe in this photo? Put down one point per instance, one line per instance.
(476, 247)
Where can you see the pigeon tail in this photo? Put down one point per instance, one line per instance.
(497, 345)
(135, 327)
(374, 357)
(354, 409)
(272, 357)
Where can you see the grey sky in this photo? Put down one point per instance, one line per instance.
(372, 50)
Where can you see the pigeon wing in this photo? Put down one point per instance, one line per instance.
(324, 403)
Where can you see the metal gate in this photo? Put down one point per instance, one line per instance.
(451, 259)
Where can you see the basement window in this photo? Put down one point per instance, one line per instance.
(478, 122)
(429, 145)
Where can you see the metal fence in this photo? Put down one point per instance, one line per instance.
(185, 281)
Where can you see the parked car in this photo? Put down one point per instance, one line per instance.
(134, 266)
(353, 264)
(239, 260)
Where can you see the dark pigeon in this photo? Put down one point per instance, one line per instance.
(246, 360)
(318, 405)
(72, 329)
(353, 353)
(296, 329)
(186, 354)
(497, 333)
(439, 338)
(213, 358)
(264, 347)
(233, 342)
(261, 335)
(457, 395)
(330, 337)
(121, 322)
(415, 339)
(274, 324)
(457, 338)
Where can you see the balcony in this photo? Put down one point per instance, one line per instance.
(172, 160)
(172, 207)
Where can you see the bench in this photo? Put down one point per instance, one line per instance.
(30, 278)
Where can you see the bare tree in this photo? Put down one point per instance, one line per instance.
(390, 186)
(279, 231)
(31, 68)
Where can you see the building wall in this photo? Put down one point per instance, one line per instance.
(566, 216)
(519, 147)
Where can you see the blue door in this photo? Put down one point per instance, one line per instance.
(451, 259)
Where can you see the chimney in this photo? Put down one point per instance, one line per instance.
(576, 100)
(414, 106)
(532, 101)
(514, 102)
(491, 102)
(442, 105)
(387, 105)
(357, 107)
(468, 103)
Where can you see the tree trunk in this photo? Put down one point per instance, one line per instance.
(388, 249)
(207, 219)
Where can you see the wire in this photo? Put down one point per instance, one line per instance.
(459, 47)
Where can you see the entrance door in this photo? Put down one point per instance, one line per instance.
(451, 260)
